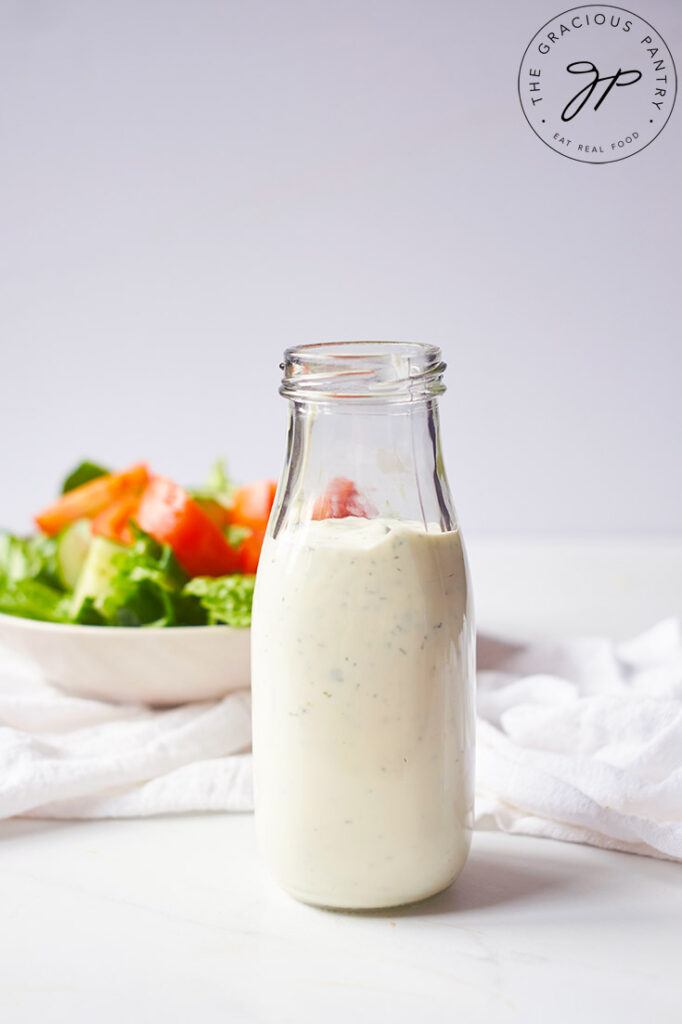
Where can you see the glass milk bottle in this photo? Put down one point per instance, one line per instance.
(363, 637)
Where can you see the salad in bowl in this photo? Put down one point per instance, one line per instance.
(101, 596)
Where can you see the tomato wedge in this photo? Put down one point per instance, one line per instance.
(251, 504)
(92, 498)
(216, 512)
(169, 514)
(341, 499)
(113, 522)
(250, 549)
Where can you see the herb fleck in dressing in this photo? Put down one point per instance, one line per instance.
(362, 718)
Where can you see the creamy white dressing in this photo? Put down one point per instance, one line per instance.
(363, 731)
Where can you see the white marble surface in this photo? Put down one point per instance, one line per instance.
(173, 919)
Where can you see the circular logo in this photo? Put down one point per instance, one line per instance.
(597, 83)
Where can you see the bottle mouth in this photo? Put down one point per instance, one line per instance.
(395, 371)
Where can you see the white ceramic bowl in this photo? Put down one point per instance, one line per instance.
(156, 666)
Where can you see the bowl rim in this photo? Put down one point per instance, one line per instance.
(78, 627)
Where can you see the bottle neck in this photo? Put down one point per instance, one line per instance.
(372, 458)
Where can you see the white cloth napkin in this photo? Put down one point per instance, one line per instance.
(582, 741)
(66, 757)
(579, 740)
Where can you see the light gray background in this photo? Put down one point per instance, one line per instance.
(188, 187)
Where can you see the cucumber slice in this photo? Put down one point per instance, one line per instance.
(97, 571)
(73, 544)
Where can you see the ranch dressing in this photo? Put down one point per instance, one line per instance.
(363, 729)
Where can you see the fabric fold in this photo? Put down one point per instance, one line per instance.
(582, 740)
(579, 740)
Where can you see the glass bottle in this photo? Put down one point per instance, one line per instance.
(363, 637)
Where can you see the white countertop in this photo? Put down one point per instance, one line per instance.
(173, 920)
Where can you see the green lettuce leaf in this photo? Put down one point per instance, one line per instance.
(218, 486)
(83, 474)
(226, 599)
(87, 614)
(31, 599)
(146, 588)
(236, 534)
(29, 558)
(29, 581)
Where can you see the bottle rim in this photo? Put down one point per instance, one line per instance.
(384, 371)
